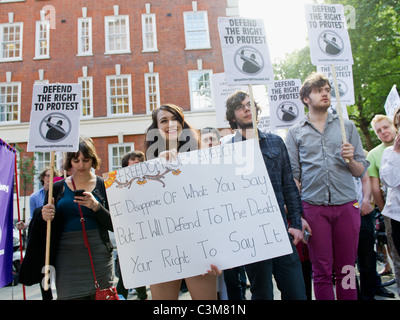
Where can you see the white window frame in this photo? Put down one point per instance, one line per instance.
(108, 87)
(11, 84)
(2, 42)
(206, 30)
(107, 19)
(42, 160)
(81, 50)
(193, 103)
(111, 155)
(149, 110)
(153, 32)
(46, 23)
(89, 98)
(43, 163)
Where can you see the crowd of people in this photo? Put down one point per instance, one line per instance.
(325, 186)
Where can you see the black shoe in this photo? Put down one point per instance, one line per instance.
(383, 292)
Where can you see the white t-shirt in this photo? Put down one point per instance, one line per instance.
(390, 177)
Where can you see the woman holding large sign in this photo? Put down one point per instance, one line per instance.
(169, 134)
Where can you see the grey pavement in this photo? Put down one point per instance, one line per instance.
(33, 293)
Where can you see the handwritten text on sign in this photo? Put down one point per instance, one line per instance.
(172, 220)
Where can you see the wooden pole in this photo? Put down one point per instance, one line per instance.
(339, 106)
(253, 112)
(48, 234)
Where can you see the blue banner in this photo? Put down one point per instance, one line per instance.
(7, 167)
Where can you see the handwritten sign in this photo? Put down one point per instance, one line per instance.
(55, 113)
(211, 206)
(245, 51)
(328, 35)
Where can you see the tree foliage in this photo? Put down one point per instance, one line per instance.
(375, 42)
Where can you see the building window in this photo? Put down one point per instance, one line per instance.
(42, 44)
(149, 32)
(87, 97)
(10, 102)
(11, 41)
(84, 36)
(116, 152)
(119, 95)
(117, 34)
(197, 35)
(200, 90)
(42, 160)
(152, 91)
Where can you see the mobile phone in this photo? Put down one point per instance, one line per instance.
(306, 236)
(79, 192)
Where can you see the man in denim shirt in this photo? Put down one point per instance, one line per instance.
(286, 269)
(324, 167)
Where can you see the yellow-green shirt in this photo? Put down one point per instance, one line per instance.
(374, 157)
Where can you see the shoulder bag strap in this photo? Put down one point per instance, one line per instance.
(85, 238)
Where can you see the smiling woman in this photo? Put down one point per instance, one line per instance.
(169, 132)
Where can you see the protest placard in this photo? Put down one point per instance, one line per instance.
(245, 51)
(210, 206)
(54, 126)
(285, 105)
(392, 102)
(55, 113)
(344, 76)
(328, 35)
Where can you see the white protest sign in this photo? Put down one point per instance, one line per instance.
(245, 51)
(328, 35)
(392, 102)
(221, 92)
(264, 123)
(55, 114)
(285, 105)
(211, 206)
(344, 75)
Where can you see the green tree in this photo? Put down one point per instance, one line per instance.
(296, 65)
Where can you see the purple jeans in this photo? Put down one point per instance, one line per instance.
(333, 248)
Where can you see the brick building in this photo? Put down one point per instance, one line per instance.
(129, 56)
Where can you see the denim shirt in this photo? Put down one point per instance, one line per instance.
(317, 163)
(277, 162)
(36, 200)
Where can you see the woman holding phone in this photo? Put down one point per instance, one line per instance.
(169, 134)
(69, 255)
